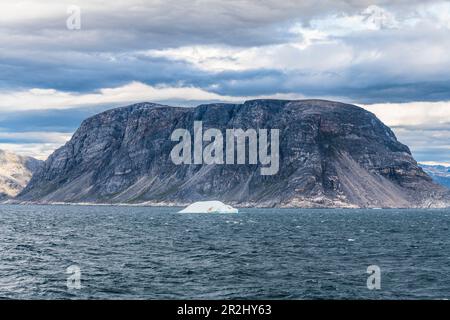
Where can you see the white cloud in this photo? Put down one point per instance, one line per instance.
(53, 99)
(288, 56)
(37, 136)
(372, 18)
(393, 114)
(439, 12)
(26, 11)
(37, 99)
(36, 150)
(435, 163)
(416, 45)
(412, 114)
(35, 144)
(423, 126)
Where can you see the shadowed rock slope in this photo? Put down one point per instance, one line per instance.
(331, 155)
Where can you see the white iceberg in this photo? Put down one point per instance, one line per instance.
(209, 207)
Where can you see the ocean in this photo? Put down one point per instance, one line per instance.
(125, 252)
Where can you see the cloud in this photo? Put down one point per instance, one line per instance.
(42, 99)
(34, 137)
(151, 23)
(370, 56)
(35, 144)
(423, 115)
(285, 57)
(423, 126)
(426, 145)
(434, 163)
(36, 150)
(360, 51)
(135, 91)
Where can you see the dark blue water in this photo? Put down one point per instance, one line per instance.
(151, 253)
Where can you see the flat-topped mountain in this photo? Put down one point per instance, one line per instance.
(330, 155)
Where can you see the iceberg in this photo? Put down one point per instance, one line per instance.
(209, 207)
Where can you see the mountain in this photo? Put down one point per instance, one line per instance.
(330, 155)
(15, 172)
(439, 173)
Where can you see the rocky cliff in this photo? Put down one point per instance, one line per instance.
(331, 155)
(15, 172)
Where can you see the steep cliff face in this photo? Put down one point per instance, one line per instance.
(331, 155)
(15, 172)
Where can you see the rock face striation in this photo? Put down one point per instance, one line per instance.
(330, 155)
(15, 172)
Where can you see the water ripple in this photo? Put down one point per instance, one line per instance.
(155, 253)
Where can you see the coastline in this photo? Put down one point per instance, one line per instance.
(237, 205)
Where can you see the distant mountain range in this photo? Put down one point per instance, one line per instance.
(330, 155)
(15, 172)
(439, 173)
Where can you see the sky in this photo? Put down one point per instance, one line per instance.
(58, 67)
